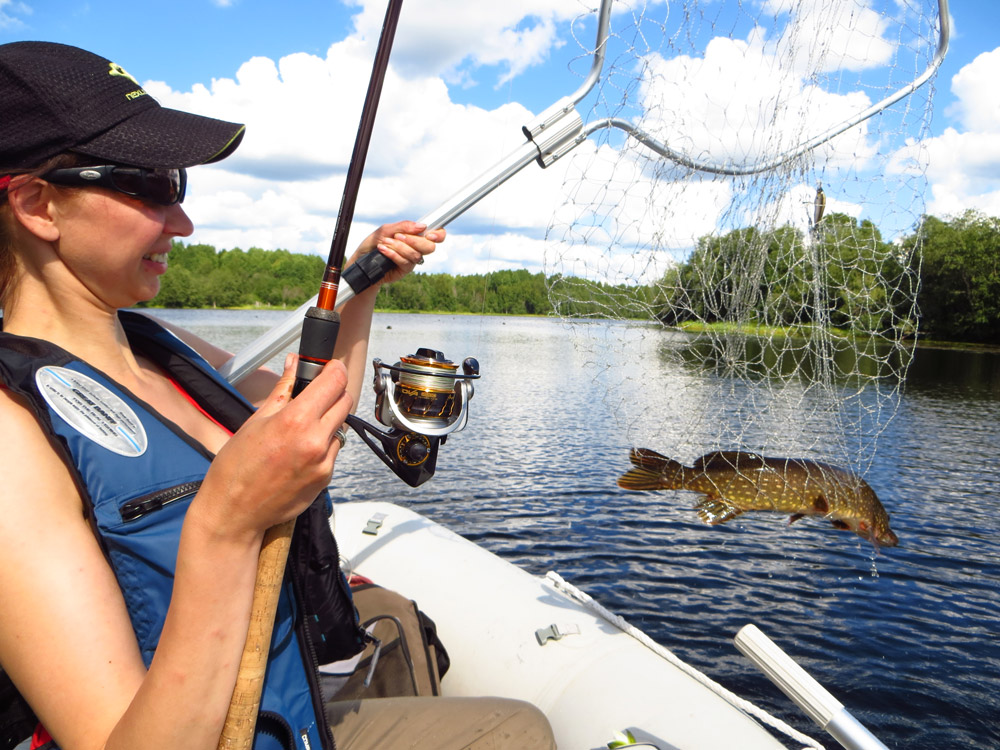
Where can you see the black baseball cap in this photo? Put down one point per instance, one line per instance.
(56, 98)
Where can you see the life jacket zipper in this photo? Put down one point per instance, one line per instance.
(268, 722)
(138, 507)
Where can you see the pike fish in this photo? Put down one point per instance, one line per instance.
(735, 482)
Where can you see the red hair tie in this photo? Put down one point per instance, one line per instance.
(4, 181)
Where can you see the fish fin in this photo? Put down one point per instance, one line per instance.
(715, 510)
(651, 471)
(842, 525)
(641, 479)
(821, 505)
(793, 518)
(729, 460)
(649, 459)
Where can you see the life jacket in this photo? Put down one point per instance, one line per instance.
(138, 473)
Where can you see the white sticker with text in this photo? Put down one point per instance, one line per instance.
(92, 410)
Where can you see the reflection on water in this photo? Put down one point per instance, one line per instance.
(962, 373)
(912, 651)
(848, 362)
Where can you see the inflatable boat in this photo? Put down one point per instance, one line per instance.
(513, 634)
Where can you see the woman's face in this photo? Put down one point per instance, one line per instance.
(115, 245)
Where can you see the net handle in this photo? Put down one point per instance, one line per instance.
(553, 134)
(735, 170)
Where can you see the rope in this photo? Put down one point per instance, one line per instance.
(743, 705)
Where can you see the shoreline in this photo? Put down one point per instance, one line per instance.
(917, 342)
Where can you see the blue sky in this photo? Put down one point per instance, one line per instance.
(464, 78)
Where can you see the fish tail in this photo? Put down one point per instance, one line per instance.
(651, 471)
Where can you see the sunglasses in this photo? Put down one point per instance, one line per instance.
(163, 186)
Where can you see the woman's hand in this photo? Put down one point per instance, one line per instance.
(405, 243)
(281, 458)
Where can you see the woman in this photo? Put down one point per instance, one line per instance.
(126, 601)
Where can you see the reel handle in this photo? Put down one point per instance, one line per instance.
(411, 455)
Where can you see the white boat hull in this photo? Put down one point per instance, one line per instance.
(590, 683)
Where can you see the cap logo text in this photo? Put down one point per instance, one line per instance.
(115, 69)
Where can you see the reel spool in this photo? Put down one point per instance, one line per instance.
(421, 399)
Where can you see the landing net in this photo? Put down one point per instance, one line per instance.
(772, 312)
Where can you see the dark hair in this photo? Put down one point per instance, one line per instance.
(8, 266)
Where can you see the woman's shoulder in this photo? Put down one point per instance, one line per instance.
(14, 411)
(29, 463)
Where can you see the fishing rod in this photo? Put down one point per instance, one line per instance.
(318, 339)
(551, 135)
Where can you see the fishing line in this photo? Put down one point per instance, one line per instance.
(423, 376)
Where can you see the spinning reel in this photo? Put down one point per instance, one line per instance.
(421, 399)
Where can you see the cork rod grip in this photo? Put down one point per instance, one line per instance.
(238, 732)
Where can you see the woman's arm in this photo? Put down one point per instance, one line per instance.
(65, 636)
(404, 244)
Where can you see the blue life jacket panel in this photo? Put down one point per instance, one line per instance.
(139, 472)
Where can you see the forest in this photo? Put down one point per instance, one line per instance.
(198, 276)
(869, 281)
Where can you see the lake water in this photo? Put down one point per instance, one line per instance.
(907, 638)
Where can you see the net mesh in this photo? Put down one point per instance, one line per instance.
(779, 307)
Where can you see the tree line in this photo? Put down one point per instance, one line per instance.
(198, 276)
(951, 266)
(867, 287)
(843, 275)
(960, 277)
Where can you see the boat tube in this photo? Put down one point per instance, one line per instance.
(516, 635)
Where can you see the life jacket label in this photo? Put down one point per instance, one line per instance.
(92, 410)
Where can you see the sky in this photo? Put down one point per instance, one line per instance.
(464, 78)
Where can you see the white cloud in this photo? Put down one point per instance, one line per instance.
(841, 36)
(975, 86)
(789, 78)
(514, 34)
(964, 161)
(740, 104)
(9, 10)
(282, 187)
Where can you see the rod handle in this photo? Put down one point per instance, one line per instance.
(241, 721)
(319, 338)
